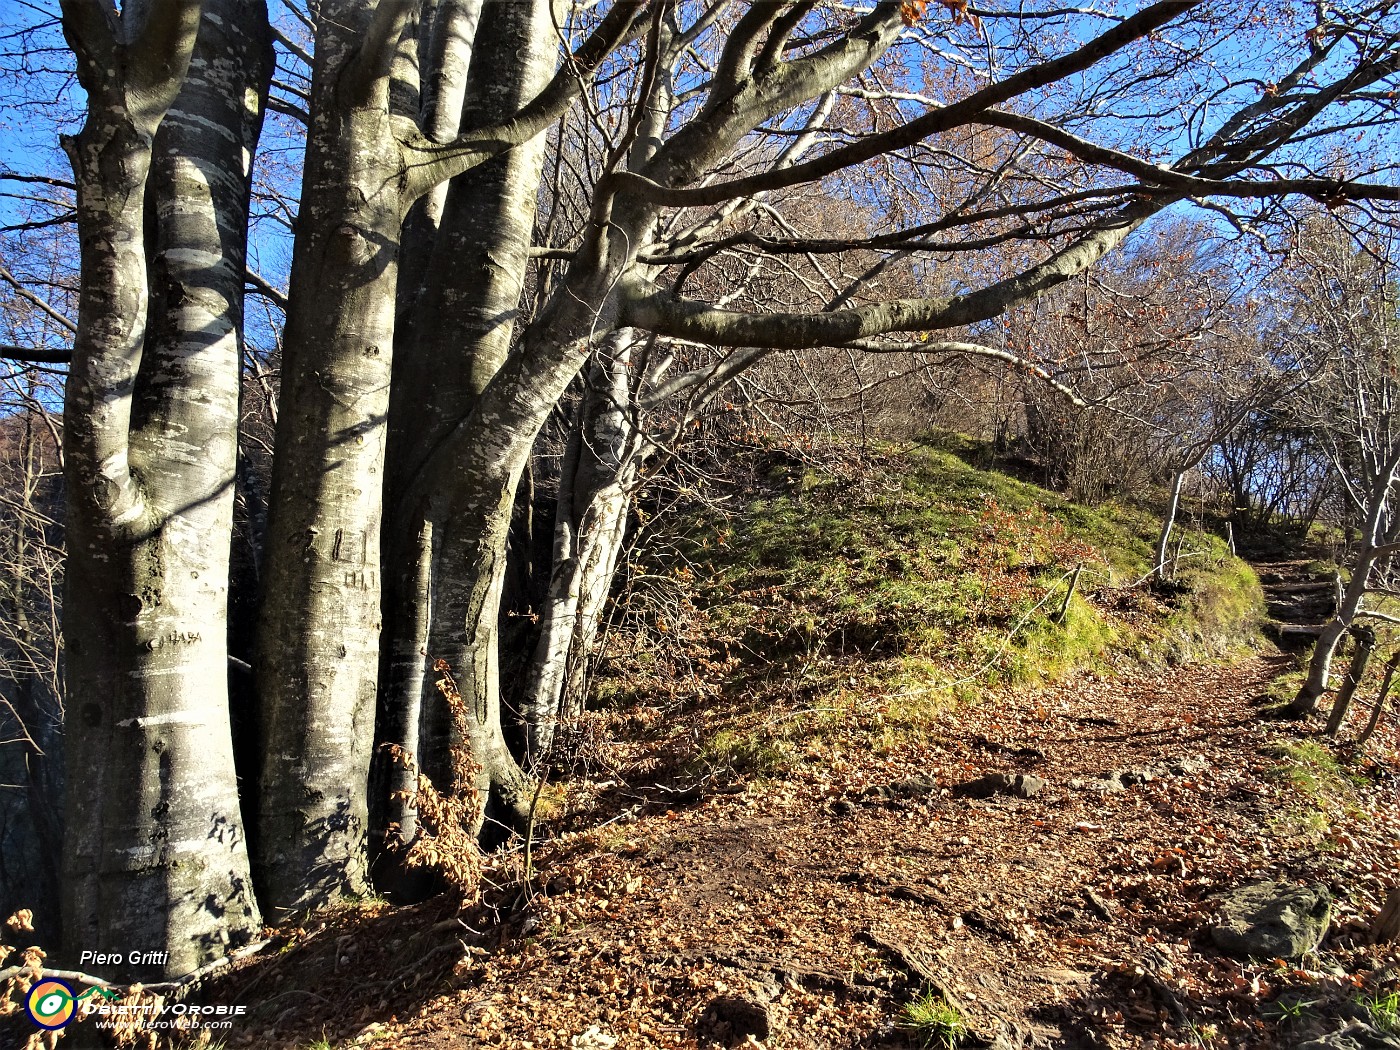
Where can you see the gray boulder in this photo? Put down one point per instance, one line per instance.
(1272, 920)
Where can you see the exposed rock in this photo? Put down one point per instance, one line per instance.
(1132, 777)
(1189, 765)
(1121, 779)
(593, 1038)
(1354, 1036)
(1101, 907)
(735, 1018)
(1022, 785)
(1272, 920)
(1108, 784)
(768, 986)
(914, 787)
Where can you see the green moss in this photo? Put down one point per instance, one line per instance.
(947, 561)
(755, 752)
(1325, 786)
(1050, 648)
(932, 577)
(1220, 607)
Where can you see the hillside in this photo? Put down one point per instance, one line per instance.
(774, 832)
(940, 579)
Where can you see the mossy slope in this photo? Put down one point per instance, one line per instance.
(915, 577)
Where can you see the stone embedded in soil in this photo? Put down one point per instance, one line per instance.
(914, 787)
(1189, 764)
(1352, 1037)
(1133, 777)
(737, 1018)
(1122, 779)
(1022, 785)
(1272, 920)
(593, 1038)
(1109, 785)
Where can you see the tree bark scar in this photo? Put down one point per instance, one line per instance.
(335, 547)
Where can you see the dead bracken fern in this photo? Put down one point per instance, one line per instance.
(128, 1012)
(446, 841)
(20, 977)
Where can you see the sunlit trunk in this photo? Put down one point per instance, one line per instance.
(155, 855)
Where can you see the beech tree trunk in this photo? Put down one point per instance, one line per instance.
(155, 855)
(604, 454)
(367, 162)
(490, 440)
(1379, 707)
(318, 646)
(463, 322)
(1365, 645)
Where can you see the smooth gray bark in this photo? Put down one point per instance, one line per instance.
(155, 855)
(463, 326)
(488, 445)
(318, 652)
(1168, 521)
(447, 38)
(1365, 644)
(604, 454)
(319, 638)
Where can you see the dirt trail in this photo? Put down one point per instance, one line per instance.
(1071, 918)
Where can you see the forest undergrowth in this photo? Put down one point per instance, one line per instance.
(768, 832)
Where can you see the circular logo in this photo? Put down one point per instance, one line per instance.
(50, 1003)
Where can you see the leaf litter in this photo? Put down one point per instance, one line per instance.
(829, 895)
